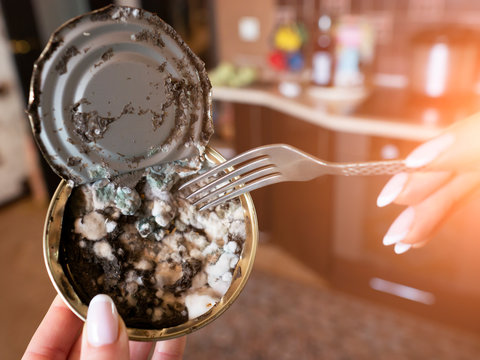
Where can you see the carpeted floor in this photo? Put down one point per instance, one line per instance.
(275, 318)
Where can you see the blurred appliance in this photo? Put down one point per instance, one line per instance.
(444, 62)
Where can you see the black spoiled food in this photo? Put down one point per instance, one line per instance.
(70, 52)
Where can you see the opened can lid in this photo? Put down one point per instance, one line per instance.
(117, 90)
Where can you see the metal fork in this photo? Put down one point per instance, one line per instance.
(272, 164)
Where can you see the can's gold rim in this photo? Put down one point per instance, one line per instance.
(51, 250)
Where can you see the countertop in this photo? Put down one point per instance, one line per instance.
(383, 112)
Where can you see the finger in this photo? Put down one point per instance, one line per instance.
(170, 349)
(140, 350)
(418, 223)
(410, 189)
(419, 245)
(421, 185)
(104, 334)
(76, 350)
(456, 149)
(55, 335)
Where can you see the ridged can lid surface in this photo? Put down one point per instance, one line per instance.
(117, 90)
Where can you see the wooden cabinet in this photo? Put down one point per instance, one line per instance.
(295, 215)
(333, 225)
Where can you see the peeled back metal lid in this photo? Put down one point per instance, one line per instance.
(116, 90)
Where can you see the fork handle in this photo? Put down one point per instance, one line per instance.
(385, 167)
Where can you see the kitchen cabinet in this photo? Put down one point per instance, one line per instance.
(333, 225)
(296, 215)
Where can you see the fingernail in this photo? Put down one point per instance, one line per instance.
(400, 248)
(102, 321)
(400, 227)
(429, 151)
(391, 190)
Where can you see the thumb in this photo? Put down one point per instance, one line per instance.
(104, 334)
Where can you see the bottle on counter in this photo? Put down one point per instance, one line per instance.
(355, 44)
(323, 56)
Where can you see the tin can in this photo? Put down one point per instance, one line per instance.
(57, 272)
(115, 91)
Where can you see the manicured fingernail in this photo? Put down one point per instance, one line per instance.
(429, 151)
(400, 227)
(102, 321)
(391, 190)
(400, 248)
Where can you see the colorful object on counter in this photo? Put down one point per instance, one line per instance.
(355, 49)
(227, 74)
(296, 61)
(288, 41)
(277, 60)
(288, 38)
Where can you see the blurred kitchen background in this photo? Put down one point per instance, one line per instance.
(344, 80)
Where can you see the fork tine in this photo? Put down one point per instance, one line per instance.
(228, 176)
(268, 180)
(257, 174)
(243, 157)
